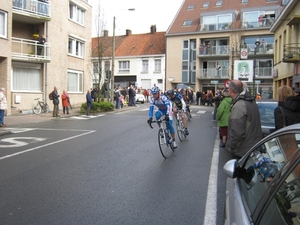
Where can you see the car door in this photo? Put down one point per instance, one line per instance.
(261, 175)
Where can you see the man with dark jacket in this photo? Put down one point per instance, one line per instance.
(244, 127)
(55, 97)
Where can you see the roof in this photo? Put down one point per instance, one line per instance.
(185, 14)
(131, 44)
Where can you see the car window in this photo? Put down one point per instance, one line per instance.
(262, 165)
(266, 111)
(285, 205)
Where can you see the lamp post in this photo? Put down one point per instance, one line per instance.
(112, 83)
(254, 65)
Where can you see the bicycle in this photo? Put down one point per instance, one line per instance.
(164, 138)
(40, 106)
(179, 125)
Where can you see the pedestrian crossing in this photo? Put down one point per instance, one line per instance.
(83, 117)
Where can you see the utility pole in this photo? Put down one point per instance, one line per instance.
(112, 81)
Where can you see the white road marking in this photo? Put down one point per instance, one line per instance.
(83, 117)
(15, 141)
(48, 144)
(211, 199)
(201, 111)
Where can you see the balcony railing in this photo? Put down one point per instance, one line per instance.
(37, 7)
(215, 26)
(29, 50)
(214, 50)
(266, 22)
(260, 49)
(265, 72)
(212, 73)
(291, 53)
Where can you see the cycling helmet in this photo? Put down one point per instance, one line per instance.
(170, 92)
(154, 90)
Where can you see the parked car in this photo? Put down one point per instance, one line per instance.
(140, 98)
(263, 187)
(266, 110)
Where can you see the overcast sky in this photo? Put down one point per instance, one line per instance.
(147, 13)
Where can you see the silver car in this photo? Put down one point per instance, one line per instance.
(266, 111)
(263, 187)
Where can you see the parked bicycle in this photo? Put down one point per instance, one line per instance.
(164, 138)
(179, 125)
(40, 106)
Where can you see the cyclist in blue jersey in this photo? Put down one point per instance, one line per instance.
(164, 107)
(179, 104)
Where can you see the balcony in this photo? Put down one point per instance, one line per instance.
(261, 49)
(291, 53)
(214, 50)
(265, 23)
(216, 26)
(212, 73)
(31, 11)
(264, 72)
(30, 51)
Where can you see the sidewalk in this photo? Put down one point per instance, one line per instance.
(16, 119)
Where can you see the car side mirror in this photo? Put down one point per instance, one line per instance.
(230, 168)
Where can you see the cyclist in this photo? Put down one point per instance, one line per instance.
(186, 100)
(179, 104)
(164, 107)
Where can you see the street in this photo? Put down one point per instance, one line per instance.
(107, 169)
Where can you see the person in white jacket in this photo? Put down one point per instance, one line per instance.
(3, 106)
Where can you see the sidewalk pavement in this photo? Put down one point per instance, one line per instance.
(16, 119)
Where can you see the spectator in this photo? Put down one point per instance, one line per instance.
(55, 98)
(65, 102)
(3, 106)
(40, 43)
(288, 110)
(217, 100)
(104, 89)
(117, 97)
(94, 94)
(244, 127)
(210, 98)
(89, 102)
(198, 97)
(223, 112)
(131, 95)
(258, 96)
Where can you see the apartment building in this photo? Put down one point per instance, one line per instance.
(211, 42)
(29, 68)
(139, 59)
(287, 46)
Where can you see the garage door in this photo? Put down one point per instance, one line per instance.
(146, 83)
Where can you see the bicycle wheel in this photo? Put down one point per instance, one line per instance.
(187, 113)
(179, 129)
(163, 145)
(36, 108)
(46, 108)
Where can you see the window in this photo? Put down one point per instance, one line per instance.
(219, 3)
(76, 47)
(244, 1)
(190, 7)
(187, 23)
(76, 13)
(3, 24)
(124, 66)
(75, 81)
(217, 22)
(27, 77)
(205, 4)
(95, 67)
(157, 65)
(145, 66)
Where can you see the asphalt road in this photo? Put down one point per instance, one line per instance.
(107, 169)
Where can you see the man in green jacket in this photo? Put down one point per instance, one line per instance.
(223, 112)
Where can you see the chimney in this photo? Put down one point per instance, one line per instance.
(105, 34)
(153, 29)
(128, 32)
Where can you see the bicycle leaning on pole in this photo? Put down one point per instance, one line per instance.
(164, 137)
(40, 106)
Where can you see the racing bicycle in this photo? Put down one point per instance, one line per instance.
(164, 138)
(179, 125)
(40, 106)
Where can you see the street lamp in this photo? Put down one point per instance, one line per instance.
(113, 59)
